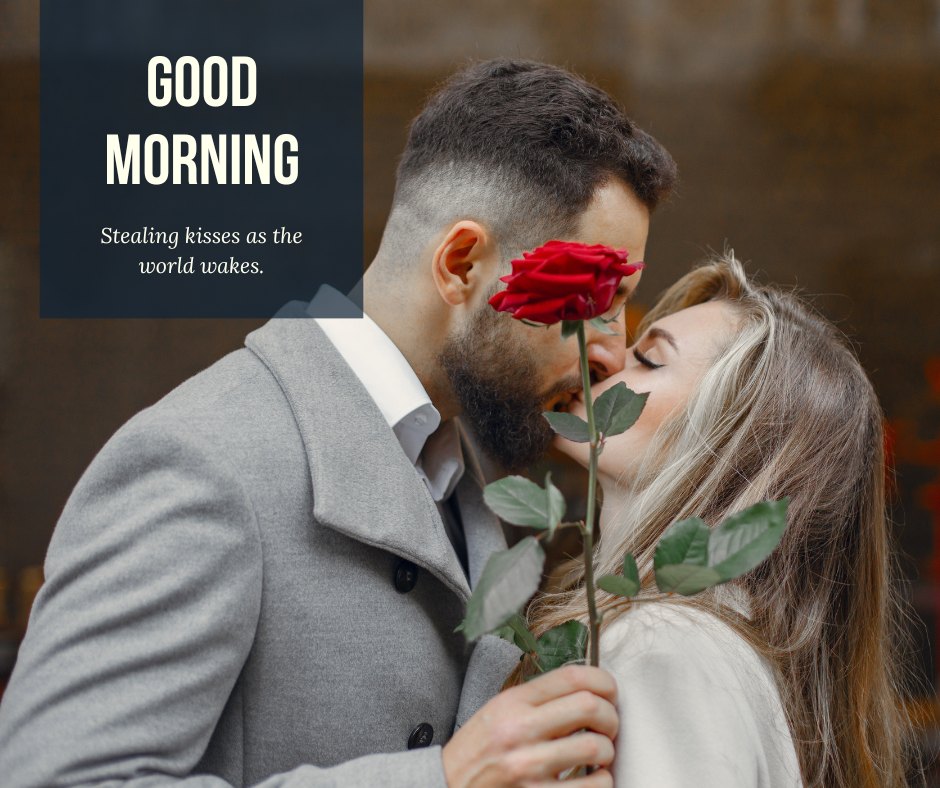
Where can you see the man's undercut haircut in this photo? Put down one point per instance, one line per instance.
(520, 147)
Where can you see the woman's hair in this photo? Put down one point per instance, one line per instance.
(784, 410)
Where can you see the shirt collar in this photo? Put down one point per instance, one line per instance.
(394, 387)
(441, 463)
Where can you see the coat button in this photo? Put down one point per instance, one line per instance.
(406, 576)
(422, 736)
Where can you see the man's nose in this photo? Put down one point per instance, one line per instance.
(607, 353)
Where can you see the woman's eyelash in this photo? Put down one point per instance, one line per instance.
(645, 361)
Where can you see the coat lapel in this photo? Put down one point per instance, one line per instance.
(482, 528)
(363, 484)
(490, 663)
(492, 658)
(365, 487)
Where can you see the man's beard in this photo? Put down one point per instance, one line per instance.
(496, 383)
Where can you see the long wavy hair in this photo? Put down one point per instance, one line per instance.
(785, 410)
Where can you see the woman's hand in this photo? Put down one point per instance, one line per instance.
(528, 735)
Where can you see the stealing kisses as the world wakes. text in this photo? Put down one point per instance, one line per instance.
(195, 236)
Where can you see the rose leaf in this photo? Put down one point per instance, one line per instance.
(569, 426)
(561, 645)
(626, 584)
(617, 409)
(686, 579)
(554, 504)
(684, 542)
(745, 539)
(509, 579)
(520, 501)
(517, 633)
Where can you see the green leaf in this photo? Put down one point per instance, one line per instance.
(505, 632)
(601, 325)
(569, 328)
(509, 579)
(522, 637)
(520, 501)
(617, 409)
(561, 645)
(684, 542)
(623, 585)
(630, 570)
(555, 504)
(686, 579)
(745, 539)
(517, 633)
(617, 584)
(569, 426)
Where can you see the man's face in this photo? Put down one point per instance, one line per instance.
(505, 373)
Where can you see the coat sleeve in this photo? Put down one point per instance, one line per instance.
(148, 613)
(696, 705)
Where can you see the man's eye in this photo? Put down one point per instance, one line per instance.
(645, 361)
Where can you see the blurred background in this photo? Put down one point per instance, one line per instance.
(807, 134)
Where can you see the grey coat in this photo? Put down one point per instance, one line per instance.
(220, 605)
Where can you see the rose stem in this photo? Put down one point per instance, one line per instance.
(587, 531)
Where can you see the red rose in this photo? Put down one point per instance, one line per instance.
(563, 281)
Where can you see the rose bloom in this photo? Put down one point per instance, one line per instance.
(563, 281)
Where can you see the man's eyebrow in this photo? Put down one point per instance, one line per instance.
(661, 333)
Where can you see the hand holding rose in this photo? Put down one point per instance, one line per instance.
(529, 734)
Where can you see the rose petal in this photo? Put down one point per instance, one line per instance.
(563, 280)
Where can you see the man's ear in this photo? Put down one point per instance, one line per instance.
(461, 260)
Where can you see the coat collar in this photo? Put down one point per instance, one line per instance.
(364, 485)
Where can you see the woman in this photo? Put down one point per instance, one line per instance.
(792, 672)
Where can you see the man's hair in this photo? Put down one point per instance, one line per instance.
(521, 147)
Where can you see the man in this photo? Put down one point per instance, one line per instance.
(258, 578)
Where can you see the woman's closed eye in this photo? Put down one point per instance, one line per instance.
(645, 361)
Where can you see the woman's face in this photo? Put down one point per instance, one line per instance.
(667, 361)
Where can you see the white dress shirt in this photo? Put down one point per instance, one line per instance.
(433, 448)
